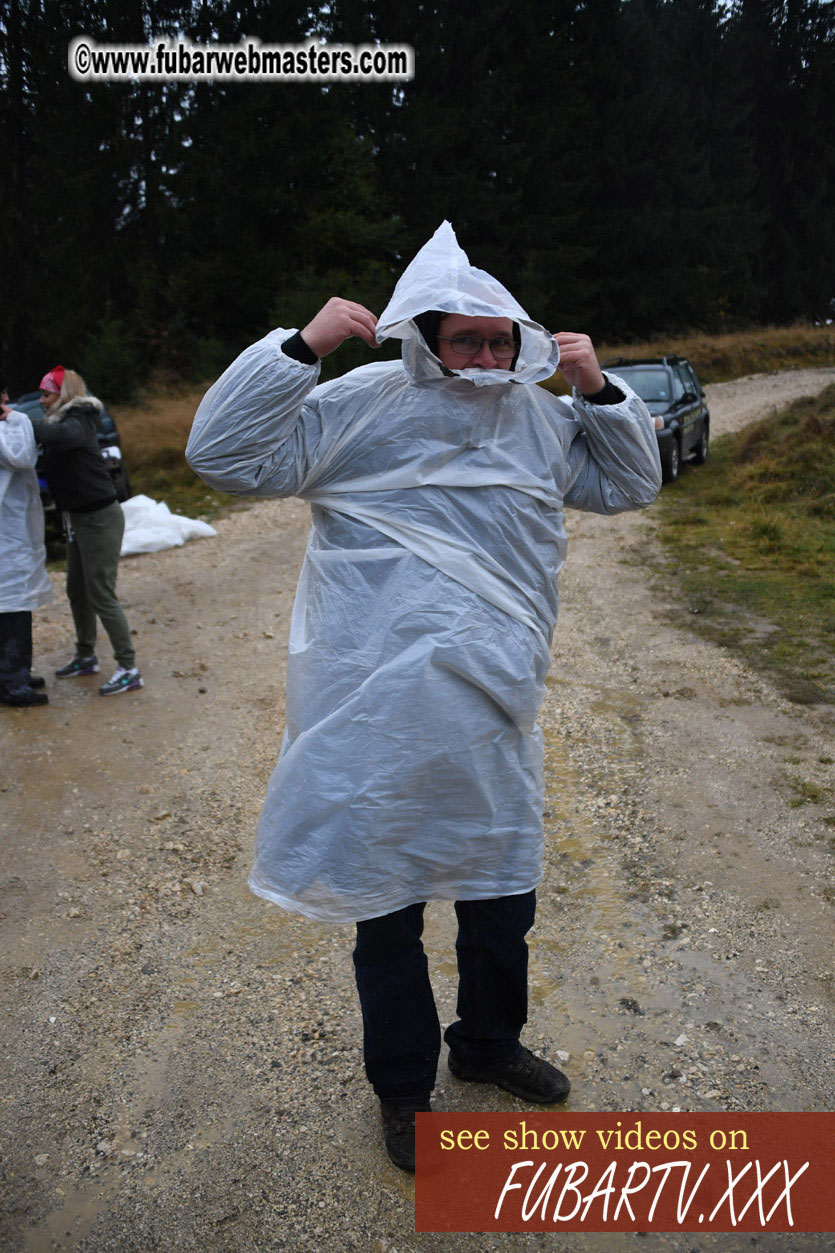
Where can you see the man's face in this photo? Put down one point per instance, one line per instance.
(486, 329)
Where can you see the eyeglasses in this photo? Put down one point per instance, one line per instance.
(470, 345)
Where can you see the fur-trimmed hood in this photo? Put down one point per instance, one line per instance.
(77, 407)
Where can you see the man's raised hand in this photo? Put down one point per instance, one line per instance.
(578, 362)
(337, 321)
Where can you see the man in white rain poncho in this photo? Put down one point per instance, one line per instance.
(411, 768)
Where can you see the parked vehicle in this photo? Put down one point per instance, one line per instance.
(674, 396)
(111, 449)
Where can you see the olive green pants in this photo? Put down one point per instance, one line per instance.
(92, 566)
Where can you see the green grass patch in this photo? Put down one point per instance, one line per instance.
(805, 791)
(752, 538)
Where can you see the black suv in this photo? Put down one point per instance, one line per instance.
(673, 394)
(111, 449)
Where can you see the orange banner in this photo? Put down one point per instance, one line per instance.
(625, 1172)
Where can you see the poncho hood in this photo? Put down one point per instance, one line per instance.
(440, 277)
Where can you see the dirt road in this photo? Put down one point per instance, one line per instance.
(181, 1061)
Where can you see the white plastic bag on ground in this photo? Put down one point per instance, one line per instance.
(150, 526)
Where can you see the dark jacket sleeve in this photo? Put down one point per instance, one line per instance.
(69, 433)
(608, 395)
(72, 462)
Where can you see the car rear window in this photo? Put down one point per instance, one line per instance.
(650, 383)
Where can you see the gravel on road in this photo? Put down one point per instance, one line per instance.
(182, 1062)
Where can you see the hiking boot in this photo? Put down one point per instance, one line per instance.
(399, 1132)
(123, 681)
(78, 666)
(527, 1076)
(23, 695)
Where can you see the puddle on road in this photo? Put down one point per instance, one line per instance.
(271, 938)
(63, 1228)
(74, 1219)
(628, 706)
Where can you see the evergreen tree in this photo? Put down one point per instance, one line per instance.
(784, 50)
(625, 166)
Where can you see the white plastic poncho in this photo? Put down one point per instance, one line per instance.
(411, 767)
(24, 582)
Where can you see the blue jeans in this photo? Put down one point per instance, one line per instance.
(401, 1032)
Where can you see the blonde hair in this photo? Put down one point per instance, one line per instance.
(73, 386)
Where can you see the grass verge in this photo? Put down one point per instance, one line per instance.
(760, 350)
(720, 358)
(751, 536)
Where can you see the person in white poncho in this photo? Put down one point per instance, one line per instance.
(411, 767)
(24, 582)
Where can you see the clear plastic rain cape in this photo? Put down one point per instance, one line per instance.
(411, 767)
(24, 582)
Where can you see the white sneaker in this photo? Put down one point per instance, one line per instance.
(123, 681)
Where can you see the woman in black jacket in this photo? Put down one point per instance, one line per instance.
(83, 491)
